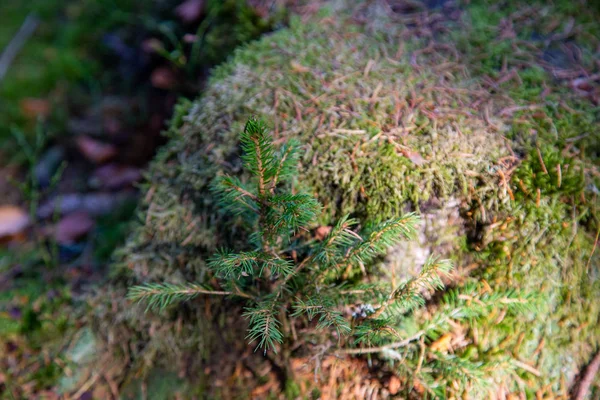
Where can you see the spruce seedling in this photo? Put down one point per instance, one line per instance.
(286, 278)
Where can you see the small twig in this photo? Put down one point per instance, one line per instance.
(587, 267)
(587, 379)
(395, 345)
(421, 356)
(383, 305)
(295, 273)
(17, 42)
(84, 388)
(527, 368)
(202, 291)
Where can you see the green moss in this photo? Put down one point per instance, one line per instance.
(386, 131)
(547, 170)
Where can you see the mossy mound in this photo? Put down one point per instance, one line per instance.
(443, 111)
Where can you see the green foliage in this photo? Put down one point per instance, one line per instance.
(160, 295)
(265, 327)
(471, 368)
(286, 280)
(549, 171)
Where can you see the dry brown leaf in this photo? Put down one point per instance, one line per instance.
(115, 176)
(190, 10)
(33, 108)
(442, 344)
(297, 67)
(394, 385)
(13, 220)
(163, 78)
(73, 227)
(413, 156)
(321, 232)
(95, 150)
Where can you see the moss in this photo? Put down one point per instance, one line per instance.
(385, 130)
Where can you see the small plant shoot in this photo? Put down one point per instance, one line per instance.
(288, 277)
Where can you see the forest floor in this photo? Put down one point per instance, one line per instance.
(82, 107)
(86, 87)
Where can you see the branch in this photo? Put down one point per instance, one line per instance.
(259, 166)
(391, 346)
(287, 162)
(161, 295)
(385, 235)
(587, 379)
(17, 42)
(263, 325)
(232, 194)
(258, 152)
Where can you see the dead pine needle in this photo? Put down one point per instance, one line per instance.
(539, 153)
(587, 267)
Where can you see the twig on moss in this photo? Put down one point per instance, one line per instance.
(17, 42)
(587, 267)
(587, 379)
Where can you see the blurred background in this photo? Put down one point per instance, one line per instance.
(86, 87)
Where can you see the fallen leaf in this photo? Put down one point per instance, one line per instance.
(115, 176)
(96, 150)
(418, 387)
(72, 227)
(95, 204)
(297, 67)
(33, 108)
(163, 78)
(442, 344)
(13, 220)
(321, 232)
(394, 385)
(190, 10)
(413, 156)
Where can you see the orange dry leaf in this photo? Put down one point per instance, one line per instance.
(13, 221)
(394, 385)
(95, 150)
(442, 344)
(321, 232)
(297, 67)
(33, 108)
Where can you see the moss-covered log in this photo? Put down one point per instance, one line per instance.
(452, 113)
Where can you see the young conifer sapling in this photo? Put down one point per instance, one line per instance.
(286, 278)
